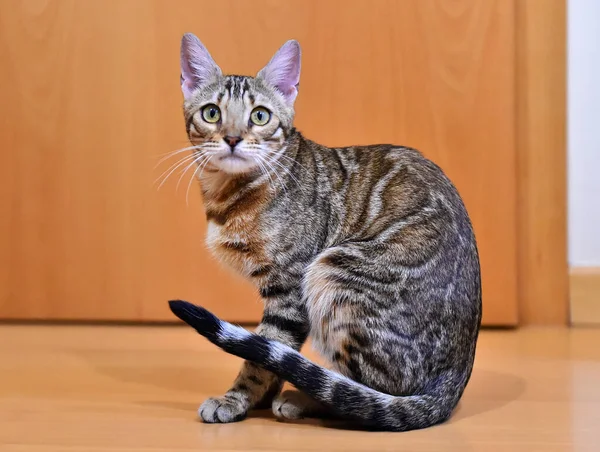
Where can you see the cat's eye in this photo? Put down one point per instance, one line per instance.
(260, 116)
(211, 113)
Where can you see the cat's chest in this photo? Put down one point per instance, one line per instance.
(237, 246)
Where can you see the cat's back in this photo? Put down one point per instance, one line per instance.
(388, 180)
(375, 161)
(382, 159)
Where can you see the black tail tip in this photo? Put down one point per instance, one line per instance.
(189, 312)
(197, 317)
(177, 304)
(183, 309)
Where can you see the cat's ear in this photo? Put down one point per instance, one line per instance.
(197, 66)
(283, 71)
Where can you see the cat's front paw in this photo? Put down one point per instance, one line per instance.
(222, 410)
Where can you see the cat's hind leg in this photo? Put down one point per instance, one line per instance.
(292, 405)
(351, 301)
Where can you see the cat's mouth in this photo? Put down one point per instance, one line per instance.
(233, 162)
(233, 157)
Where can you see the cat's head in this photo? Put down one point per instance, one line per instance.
(240, 123)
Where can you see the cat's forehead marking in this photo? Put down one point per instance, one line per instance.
(236, 85)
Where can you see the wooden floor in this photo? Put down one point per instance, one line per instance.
(96, 388)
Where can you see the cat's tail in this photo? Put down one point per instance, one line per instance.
(351, 400)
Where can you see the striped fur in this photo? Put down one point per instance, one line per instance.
(367, 249)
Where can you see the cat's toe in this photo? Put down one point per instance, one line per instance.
(220, 410)
(290, 405)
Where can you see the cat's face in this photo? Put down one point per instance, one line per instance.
(238, 124)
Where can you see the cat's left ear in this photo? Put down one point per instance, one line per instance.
(283, 71)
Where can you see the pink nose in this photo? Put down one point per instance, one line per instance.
(232, 141)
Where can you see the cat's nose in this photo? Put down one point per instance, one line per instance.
(232, 141)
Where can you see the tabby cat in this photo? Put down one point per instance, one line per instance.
(366, 249)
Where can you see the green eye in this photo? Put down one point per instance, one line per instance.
(211, 113)
(260, 116)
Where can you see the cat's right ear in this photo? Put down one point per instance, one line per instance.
(197, 66)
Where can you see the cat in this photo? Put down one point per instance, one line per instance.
(368, 250)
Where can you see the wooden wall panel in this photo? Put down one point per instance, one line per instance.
(89, 98)
(584, 296)
(541, 125)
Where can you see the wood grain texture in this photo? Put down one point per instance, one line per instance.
(84, 389)
(541, 129)
(584, 295)
(89, 98)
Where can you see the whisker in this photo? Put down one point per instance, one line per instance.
(177, 150)
(287, 157)
(264, 170)
(287, 170)
(187, 192)
(270, 166)
(172, 168)
(201, 165)
(274, 157)
(271, 159)
(173, 153)
(260, 160)
(186, 170)
(200, 147)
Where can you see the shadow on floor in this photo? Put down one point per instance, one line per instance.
(487, 391)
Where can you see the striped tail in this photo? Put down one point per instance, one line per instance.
(351, 400)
